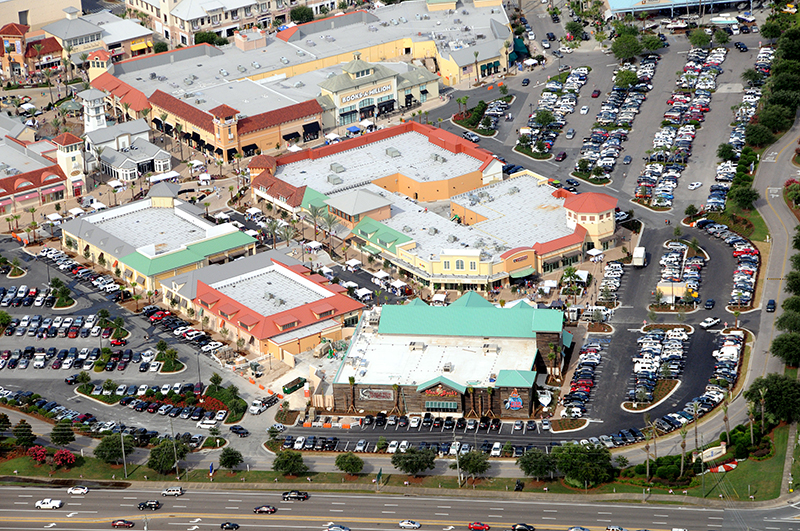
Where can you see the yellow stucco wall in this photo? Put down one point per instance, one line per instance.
(39, 13)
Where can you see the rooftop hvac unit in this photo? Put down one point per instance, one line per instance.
(452, 238)
(490, 348)
(392, 152)
(373, 28)
(240, 68)
(301, 53)
(223, 72)
(433, 231)
(255, 65)
(335, 180)
(188, 81)
(284, 60)
(406, 228)
(189, 95)
(153, 75)
(337, 168)
(416, 345)
(447, 367)
(299, 84)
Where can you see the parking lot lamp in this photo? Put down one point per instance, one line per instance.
(198, 365)
(122, 444)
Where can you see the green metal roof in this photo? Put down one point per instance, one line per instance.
(513, 378)
(193, 253)
(468, 318)
(417, 302)
(444, 381)
(566, 338)
(380, 235)
(312, 197)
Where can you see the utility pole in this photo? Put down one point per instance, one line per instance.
(174, 450)
(122, 445)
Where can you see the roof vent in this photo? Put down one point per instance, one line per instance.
(240, 68)
(406, 228)
(337, 168)
(447, 367)
(335, 180)
(490, 348)
(452, 238)
(433, 231)
(299, 84)
(392, 152)
(255, 65)
(416, 345)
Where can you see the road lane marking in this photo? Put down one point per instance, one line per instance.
(20, 503)
(496, 509)
(494, 516)
(610, 520)
(231, 507)
(442, 514)
(602, 513)
(549, 518)
(126, 505)
(387, 512)
(235, 500)
(661, 515)
(443, 507)
(390, 505)
(662, 523)
(338, 503)
(336, 510)
(550, 511)
(715, 517)
(713, 525)
(129, 498)
(25, 496)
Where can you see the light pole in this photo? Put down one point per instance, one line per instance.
(174, 450)
(122, 445)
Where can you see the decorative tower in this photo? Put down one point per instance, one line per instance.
(94, 112)
(70, 157)
(226, 135)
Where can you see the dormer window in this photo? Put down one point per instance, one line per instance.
(363, 73)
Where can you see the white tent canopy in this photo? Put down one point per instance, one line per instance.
(163, 177)
(398, 284)
(530, 62)
(363, 293)
(582, 275)
(55, 216)
(348, 284)
(221, 215)
(204, 177)
(294, 149)
(366, 123)
(77, 211)
(353, 263)
(326, 270)
(439, 297)
(332, 136)
(253, 211)
(27, 107)
(380, 275)
(115, 184)
(194, 163)
(313, 246)
(594, 252)
(550, 284)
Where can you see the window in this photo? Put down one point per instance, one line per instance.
(591, 218)
(583, 218)
(473, 266)
(446, 264)
(460, 265)
(288, 325)
(408, 92)
(440, 406)
(549, 267)
(183, 40)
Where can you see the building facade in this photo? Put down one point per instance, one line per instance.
(36, 15)
(22, 57)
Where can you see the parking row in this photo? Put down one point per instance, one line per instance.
(72, 359)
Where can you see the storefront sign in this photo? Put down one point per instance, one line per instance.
(514, 401)
(376, 394)
(439, 390)
(520, 259)
(367, 93)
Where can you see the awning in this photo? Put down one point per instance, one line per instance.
(291, 136)
(496, 64)
(512, 57)
(294, 149)
(25, 197)
(423, 90)
(5, 201)
(250, 147)
(194, 163)
(232, 151)
(311, 128)
(149, 44)
(331, 136)
(195, 136)
(594, 252)
(520, 273)
(138, 46)
(354, 129)
(128, 273)
(55, 216)
(218, 151)
(483, 68)
(366, 123)
(367, 108)
(54, 189)
(77, 211)
(140, 280)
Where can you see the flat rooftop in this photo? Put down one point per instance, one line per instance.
(14, 157)
(452, 32)
(388, 359)
(520, 211)
(246, 96)
(370, 162)
(272, 290)
(167, 228)
(433, 233)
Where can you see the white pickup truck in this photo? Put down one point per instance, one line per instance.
(257, 407)
(49, 503)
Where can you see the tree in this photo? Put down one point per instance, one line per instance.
(110, 448)
(289, 463)
(787, 347)
(626, 47)
(177, 130)
(779, 395)
(751, 76)
(473, 463)
(287, 233)
(5, 424)
(789, 44)
(789, 321)
(699, 38)
(215, 380)
(721, 37)
(160, 47)
(301, 14)
(744, 197)
(349, 463)
(64, 458)
(24, 434)
(771, 30)
(536, 463)
(583, 464)
(544, 117)
(758, 135)
(62, 433)
(37, 453)
(475, 54)
(791, 304)
(726, 151)
(626, 79)
(651, 43)
(162, 457)
(109, 385)
(230, 458)
(690, 211)
(775, 117)
(574, 28)
(414, 461)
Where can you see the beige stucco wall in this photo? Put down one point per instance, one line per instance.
(39, 13)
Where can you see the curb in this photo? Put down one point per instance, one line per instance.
(651, 405)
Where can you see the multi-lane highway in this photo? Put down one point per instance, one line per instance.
(207, 509)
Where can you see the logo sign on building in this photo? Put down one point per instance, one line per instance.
(440, 390)
(514, 401)
(520, 258)
(376, 394)
(365, 94)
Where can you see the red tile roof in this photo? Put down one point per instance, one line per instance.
(103, 55)
(50, 46)
(15, 184)
(590, 202)
(126, 93)
(183, 110)
(263, 162)
(269, 119)
(264, 327)
(542, 248)
(269, 184)
(66, 139)
(14, 29)
(223, 111)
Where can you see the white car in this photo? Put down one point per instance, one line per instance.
(155, 366)
(48, 503)
(78, 489)
(708, 322)
(403, 447)
(392, 447)
(414, 422)
(142, 390)
(585, 109)
(497, 450)
(165, 389)
(695, 185)
(278, 426)
(148, 355)
(409, 524)
(299, 442)
(214, 345)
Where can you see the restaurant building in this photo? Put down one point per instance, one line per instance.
(467, 359)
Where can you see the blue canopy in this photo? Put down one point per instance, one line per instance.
(354, 129)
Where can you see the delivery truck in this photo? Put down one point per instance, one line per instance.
(639, 257)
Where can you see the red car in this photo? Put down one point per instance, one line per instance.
(121, 523)
(106, 332)
(595, 94)
(158, 316)
(73, 332)
(745, 252)
(479, 526)
(117, 342)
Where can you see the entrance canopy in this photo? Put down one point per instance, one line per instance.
(594, 252)
(194, 163)
(77, 211)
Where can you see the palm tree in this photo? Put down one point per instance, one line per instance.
(471, 393)
(272, 227)
(9, 220)
(137, 298)
(206, 205)
(762, 392)
(751, 414)
(219, 163)
(126, 108)
(315, 213)
(144, 112)
(178, 129)
(287, 232)
(352, 381)
(238, 157)
(16, 220)
(16, 102)
(34, 226)
(490, 392)
(67, 62)
(725, 403)
(47, 75)
(329, 223)
(683, 447)
(10, 50)
(38, 49)
(84, 61)
(477, 75)
(56, 123)
(31, 211)
(163, 118)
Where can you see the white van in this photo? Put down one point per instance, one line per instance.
(207, 424)
(172, 491)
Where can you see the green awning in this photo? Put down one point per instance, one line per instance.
(496, 64)
(483, 67)
(371, 250)
(520, 48)
(512, 57)
(523, 272)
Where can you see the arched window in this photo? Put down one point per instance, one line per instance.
(460, 265)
